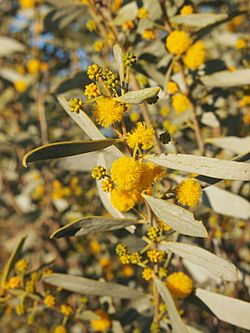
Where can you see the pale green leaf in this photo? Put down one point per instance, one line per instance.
(232, 143)
(9, 46)
(15, 256)
(207, 166)
(177, 323)
(235, 206)
(200, 20)
(66, 148)
(227, 79)
(228, 309)
(91, 225)
(139, 96)
(90, 287)
(219, 267)
(176, 217)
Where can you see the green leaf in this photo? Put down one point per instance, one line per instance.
(215, 265)
(64, 149)
(207, 166)
(117, 51)
(228, 309)
(90, 287)
(226, 79)
(236, 206)
(176, 217)
(126, 13)
(9, 46)
(15, 256)
(139, 96)
(198, 20)
(91, 225)
(177, 323)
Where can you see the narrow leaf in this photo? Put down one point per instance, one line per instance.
(139, 96)
(177, 323)
(207, 166)
(198, 20)
(228, 309)
(64, 149)
(15, 256)
(176, 217)
(227, 79)
(90, 287)
(91, 225)
(217, 266)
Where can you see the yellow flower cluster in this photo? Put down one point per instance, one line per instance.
(149, 34)
(147, 274)
(66, 310)
(49, 301)
(142, 13)
(91, 25)
(195, 55)
(142, 136)
(155, 256)
(188, 192)
(21, 265)
(91, 90)
(172, 87)
(102, 324)
(108, 111)
(179, 284)
(180, 103)
(186, 10)
(178, 42)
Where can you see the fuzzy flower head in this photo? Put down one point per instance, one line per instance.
(124, 200)
(149, 34)
(102, 324)
(172, 87)
(21, 265)
(178, 42)
(180, 103)
(108, 111)
(186, 10)
(91, 91)
(142, 136)
(195, 55)
(188, 192)
(179, 284)
(142, 13)
(94, 71)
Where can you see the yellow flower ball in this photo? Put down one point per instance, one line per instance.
(126, 172)
(60, 329)
(21, 265)
(142, 13)
(108, 111)
(20, 86)
(14, 282)
(172, 87)
(241, 44)
(188, 192)
(179, 284)
(195, 55)
(124, 200)
(180, 103)
(186, 10)
(49, 301)
(27, 3)
(148, 34)
(142, 136)
(33, 66)
(102, 324)
(178, 42)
